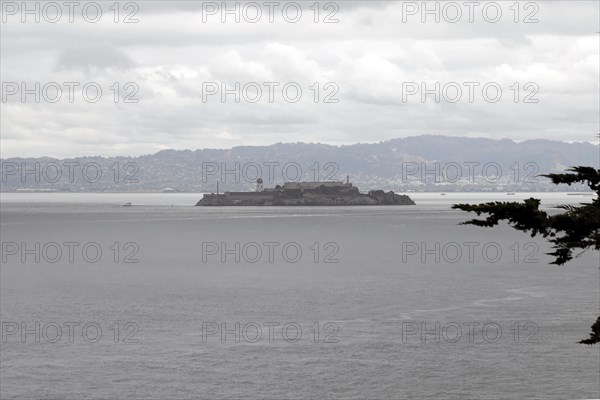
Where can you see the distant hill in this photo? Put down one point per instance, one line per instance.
(413, 163)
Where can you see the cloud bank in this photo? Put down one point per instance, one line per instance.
(181, 78)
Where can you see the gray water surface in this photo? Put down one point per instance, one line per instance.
(357, 291)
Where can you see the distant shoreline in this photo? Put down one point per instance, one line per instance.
(579, 192)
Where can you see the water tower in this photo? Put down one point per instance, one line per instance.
(259, 185)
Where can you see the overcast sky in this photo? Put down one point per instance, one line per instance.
(373, 58)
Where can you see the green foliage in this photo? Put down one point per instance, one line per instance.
(595, 335)
(577, 229)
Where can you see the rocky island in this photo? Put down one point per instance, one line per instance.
(306, 194)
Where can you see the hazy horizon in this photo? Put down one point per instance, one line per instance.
(298, 142)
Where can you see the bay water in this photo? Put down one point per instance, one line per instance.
(164, 300)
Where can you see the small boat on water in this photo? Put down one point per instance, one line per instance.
(127, 204)
(510, 193)
(442, 194)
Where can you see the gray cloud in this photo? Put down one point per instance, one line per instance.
(370, 54)
(93, 56)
